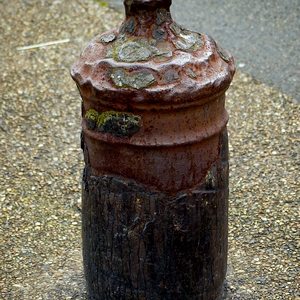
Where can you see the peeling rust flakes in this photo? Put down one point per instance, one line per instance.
(162, 16)
(171, 76)
(191, 73)
(135, 49)
(176, 29)
(129, 26)
(108, 38)
(188, 40)
(223, 54)
(158, 33)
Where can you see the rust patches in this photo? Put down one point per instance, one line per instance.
(158, 33)
(223, 54)
(129, 26)
(162, 16)
(174, 79)
(186, 40)
(171, 75)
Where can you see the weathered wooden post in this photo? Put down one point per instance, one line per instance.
(155, 185)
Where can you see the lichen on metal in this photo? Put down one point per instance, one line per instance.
(91, 118)
(137, 80)
(135, 50)
(132, 51)
(223, 54)
(187, 40)
(120, 124)
(108, 38)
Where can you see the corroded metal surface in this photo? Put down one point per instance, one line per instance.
(173, 79)
(154, 120)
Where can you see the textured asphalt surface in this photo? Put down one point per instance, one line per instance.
(263, 36)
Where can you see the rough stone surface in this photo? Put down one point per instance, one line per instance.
(41, 164)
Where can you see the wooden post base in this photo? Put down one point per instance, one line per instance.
(139, 243)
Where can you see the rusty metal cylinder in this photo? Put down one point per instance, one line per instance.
(155, 184)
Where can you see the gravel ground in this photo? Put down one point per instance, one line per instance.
(41, 164)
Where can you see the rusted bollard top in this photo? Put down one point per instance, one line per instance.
(151, 53)
(142, 85)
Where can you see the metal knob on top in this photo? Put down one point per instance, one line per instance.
(131, 5)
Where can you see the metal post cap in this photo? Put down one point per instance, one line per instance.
(132, 5)
(148, 2)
